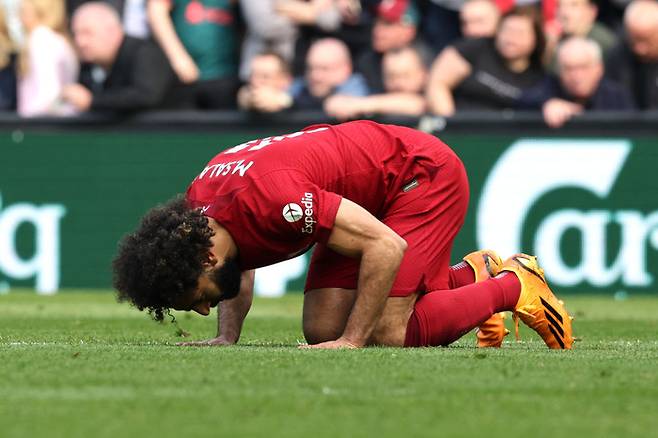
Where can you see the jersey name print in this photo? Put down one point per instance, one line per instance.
(255, 145)
(224, 169)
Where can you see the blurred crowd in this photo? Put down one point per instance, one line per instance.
(348, 58)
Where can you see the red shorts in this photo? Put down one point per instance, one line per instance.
(427, 217)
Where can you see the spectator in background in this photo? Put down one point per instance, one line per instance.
(357, 19)
(328, 71)
(636, 65)
(138, 76)
(323, 14)
(315, 19)
(578, 18)
(546, 11)
(268, 89)
(489, 73)
(7, 67)
(441, 23)
(395, 28)
(611, 12)
(580, 86)
(199, 38)
(135, 21)
(132, 13)
(266, 30)
(404, 74)
(479, 19)
(47, 62)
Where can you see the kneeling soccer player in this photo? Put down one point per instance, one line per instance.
(382, 205)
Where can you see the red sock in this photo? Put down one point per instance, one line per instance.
(442, 317)
(461, 274)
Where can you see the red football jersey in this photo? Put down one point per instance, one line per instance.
(278, 196)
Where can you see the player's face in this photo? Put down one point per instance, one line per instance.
(201, 299)
(216, 284)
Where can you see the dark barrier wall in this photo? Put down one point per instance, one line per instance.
(585, 199)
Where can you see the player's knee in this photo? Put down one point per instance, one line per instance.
(316, 333)
(388, 335)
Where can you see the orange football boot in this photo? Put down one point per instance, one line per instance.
(486, 264)
(538, 307)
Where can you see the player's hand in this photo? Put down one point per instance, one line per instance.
(339, 343)
(214, 342)
(558, 111)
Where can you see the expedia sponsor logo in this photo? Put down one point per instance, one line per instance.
(292, 212)
(309, 220)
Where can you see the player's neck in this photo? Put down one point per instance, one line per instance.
(223, 245)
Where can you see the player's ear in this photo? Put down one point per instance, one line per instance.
(210, 261)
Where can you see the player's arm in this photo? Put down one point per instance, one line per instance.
(231, 315)
(357, 233)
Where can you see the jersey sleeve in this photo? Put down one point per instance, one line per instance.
(275, 218)
(300, 210)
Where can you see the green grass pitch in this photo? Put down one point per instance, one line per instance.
(81, 365)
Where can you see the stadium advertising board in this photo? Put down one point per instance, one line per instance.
(586, 206)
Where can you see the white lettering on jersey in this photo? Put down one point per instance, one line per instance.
(294, 212)
(255, 145)
(309, 220)
(223, 169)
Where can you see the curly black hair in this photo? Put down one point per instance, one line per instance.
(162, 260)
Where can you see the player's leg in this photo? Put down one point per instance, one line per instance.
(476, 266)
(461, 274)
(442, 317)
(481, 265)
(391, 328)
(325, 313)
(429, 218)
(329, 295)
